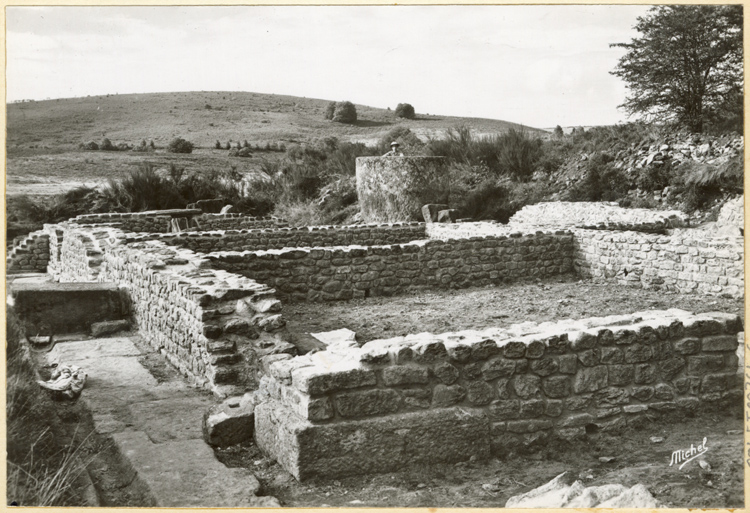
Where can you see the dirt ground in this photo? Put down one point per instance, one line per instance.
(491, 483)
(566, 297)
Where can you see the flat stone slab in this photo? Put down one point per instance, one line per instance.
(157, 426)
(382, 444)
(185, 473)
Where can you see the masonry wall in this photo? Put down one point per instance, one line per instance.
(356, 271)
(394, 189)
(32, 254)
(681, 262)
(307, 236)
(607, 216)
(428, 398)
(159, 221)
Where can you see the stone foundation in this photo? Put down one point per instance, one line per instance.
(445, 398)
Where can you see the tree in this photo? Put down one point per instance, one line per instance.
(330, 109)
(345, 112)
(687, 65)
(405, 110)
(180, 145)
(558, 133)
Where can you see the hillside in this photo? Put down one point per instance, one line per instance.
(204, 117)
(43, 136)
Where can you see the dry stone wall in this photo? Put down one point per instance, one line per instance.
(680, 262)
(357, 271)
(443, 398)
(30, 255)
(160, 221)
(307, 236)
(595, 215)
(394, 189)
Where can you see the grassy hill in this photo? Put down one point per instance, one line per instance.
(43, 136)
(204, 117)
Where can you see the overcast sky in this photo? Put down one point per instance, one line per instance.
(536, 65)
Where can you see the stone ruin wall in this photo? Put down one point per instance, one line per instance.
(394, 189)
(323, 273)
(445, 398)
(679, 262)
(306, 236)
(159, 221)
(30, 255)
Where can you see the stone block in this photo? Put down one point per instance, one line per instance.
(417, 398)
(621, 375)
(544, 366)
(612, 355)
(688, 345)
(498, 368)
(447, 216)
(376, 445)
(504, 409)
(514, 349)
(556, 387)
(405, 375)
(484, 349)
(445, 373)
(535, 349)
(611, 396)
(527, 387)
(712, 383)
(318, 381)
(719, 343)
(638, 353)
(578, 403)
(704, 364)
(577, 419)
(568, 364)
(528, 426)
(644, 374)
(230, 422)
(430, 212)
(590, 379)
(589, 357)
(532, 409)
(367, 402)
(443, 395)
(553, 408)
(480, 393)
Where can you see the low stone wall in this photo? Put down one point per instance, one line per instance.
(731, 219)
(677, 263)
(358, 272)
(31, 255)
(444, 398)
(306, 236)
(160, 221)
(207, 323)
(602, 216)
(394, 189)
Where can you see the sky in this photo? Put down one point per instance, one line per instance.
(536, 65)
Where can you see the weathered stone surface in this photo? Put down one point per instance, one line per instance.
(480, 393)
(689, 345)
(671, 368)
(535, 349)
(544, 366)
(568, 364)
(642, 393)
(405, 375)
(372, 445)
(416, 398)
(229, 423)
(556, 387)
(701, 365)
(447, 216)
(621, 375)
(498, 368)
(638, 353)
(590, 379)
(527, 387)
(713, 383)
(611, 396)
(553, 408)
(719, 343)
(514, 349)
(446, 373)
(589, 357)
(612, 355)
(644, 374)
(533, 408)
(578, 403)
(484, 349)
(528, 426)
(317, 381)
(443, 395)
(430, 212)
(504, 410)
(367, 402)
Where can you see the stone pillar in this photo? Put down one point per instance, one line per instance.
(393, 189)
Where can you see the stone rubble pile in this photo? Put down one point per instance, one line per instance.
(704, 149)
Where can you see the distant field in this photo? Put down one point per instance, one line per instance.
(43, 136)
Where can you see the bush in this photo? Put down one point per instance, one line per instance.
(179, 145)
(408, 141)
(518, 154)
(217, 145)
(345, 112)
(558, 132)
(91, 146)
(601, 181)
(106, 145)
(405, 110)
(330, 110)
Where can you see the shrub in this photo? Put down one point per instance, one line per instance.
(91, 146)
(345, 112)
(518, 154)
(106, 145)
(408, 141)
(152, 145)
(179, 145)
(217, 145)
(245, 144)
(488, 200)
(405, 110)
(330, 110)
(558, 133)
(228, 146)
(601, 181)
